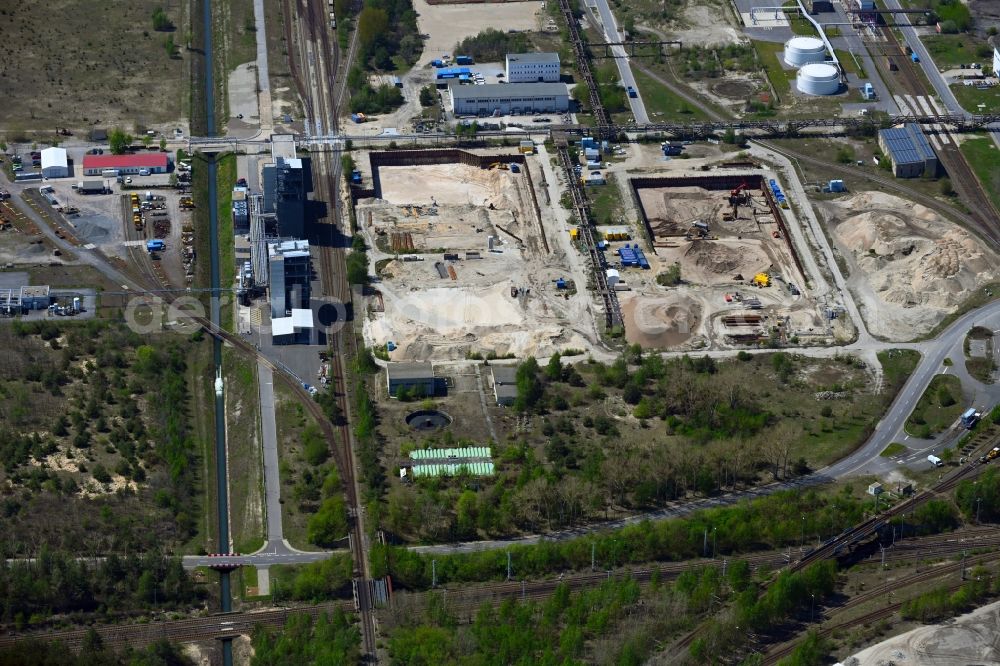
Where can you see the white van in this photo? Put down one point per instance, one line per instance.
(934, 460)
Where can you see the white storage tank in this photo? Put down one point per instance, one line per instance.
(804, 50)
(613, 277)
(818, 79)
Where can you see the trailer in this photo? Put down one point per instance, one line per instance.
(155, 245)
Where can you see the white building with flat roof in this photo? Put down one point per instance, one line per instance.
(515, 98)
(532, 67)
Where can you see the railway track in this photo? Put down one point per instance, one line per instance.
(323, 94)
(886, 590)
(968, 187)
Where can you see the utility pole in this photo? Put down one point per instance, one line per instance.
(714, 540)
(812, 609)
(964, 553)
(802, 539)
(979, 501)
(593, 552)
(704, 546)
(883, 555)
(434, 573)
(508, 565)
(724, 563)
(522, 590)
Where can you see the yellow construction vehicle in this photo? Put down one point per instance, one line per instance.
(761, 280)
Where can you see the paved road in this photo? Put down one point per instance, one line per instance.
(258, 559)
(269, 434)
(926, 61)
(613, 34)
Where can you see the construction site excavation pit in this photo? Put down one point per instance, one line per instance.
(428, 419)
(741, 280)
(463, 262)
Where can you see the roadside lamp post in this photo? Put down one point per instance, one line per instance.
(812, 609)
(802, 539)
(714, 541)
(979, 501)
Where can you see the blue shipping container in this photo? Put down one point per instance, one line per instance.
(463, 60)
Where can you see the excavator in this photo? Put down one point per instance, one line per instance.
(737, 197)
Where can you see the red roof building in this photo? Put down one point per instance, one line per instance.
(95, 165)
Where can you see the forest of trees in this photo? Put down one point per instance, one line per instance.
(331, 639)
(769, 522)
(326, 579)
(56, 582)
(93, 653)
(492, 45)
(617, 622)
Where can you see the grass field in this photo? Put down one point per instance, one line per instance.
(984, 158)
(660, 103)
(798, 23)
(937, 408)
(954, 50)
(243, 442)
(97, 63)
(780, 77)
(850, 64)
(970, 97)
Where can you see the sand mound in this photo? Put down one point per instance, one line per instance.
(912, 259)
(726, 260)
(659, 323)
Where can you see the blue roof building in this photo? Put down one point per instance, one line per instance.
(908, 149)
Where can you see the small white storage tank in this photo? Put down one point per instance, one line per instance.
(818, 79)
(613, 278)
(804, 50)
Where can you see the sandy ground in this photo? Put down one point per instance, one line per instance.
(446, 25)
(447, 207)
(973, 638)
(909, 267)
(706, 25)
(715, 272)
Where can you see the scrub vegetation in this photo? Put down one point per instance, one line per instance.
(589, 441)
(98, 458)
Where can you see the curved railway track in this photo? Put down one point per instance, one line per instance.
(885, 590)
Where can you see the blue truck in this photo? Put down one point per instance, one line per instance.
(914, 57)
(154, 245)
(970, 417)
(631, 92)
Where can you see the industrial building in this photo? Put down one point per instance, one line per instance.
(410, 377)
(504, 384)
(532, 67)
(908, 149)
(290, 271)
(285, 189)
(15, 301)
(55, 163)
(504, 99)
(95, 165)
(241, 213)
(296, 328)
